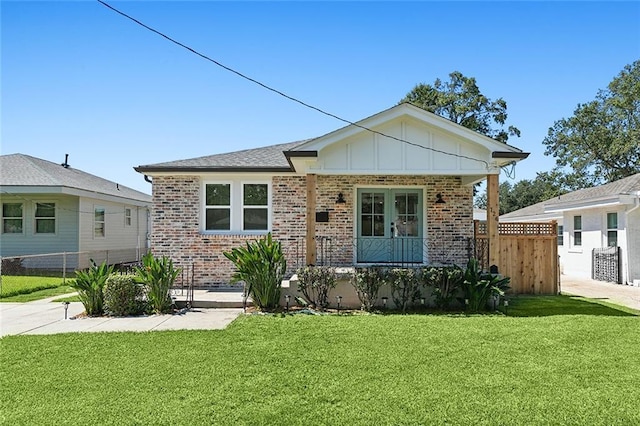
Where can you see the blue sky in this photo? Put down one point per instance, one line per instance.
(79, 79)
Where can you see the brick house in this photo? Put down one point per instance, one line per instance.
(395, 188)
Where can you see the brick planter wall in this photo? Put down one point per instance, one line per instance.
(176, 215)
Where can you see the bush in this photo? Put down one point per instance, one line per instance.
(405, 287)
(367, 282)
(158, 275)
(90, 284)
(479, 286)
(261, 265)
(315, 283)
(445, 282)
(123, 296)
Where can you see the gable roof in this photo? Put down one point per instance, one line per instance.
(278, 158)
(616, 192)
(20, 170)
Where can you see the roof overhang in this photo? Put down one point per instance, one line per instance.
(615, 200)
(74, 192)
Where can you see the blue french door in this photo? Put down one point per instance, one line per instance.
(390, 223)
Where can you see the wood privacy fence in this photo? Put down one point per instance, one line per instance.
(528, 255)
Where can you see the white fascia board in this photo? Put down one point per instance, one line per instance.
(10, 190)
(533, 218)
(590, 204)
(104, 197)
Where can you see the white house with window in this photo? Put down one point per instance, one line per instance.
(599, 230)
(54, 208)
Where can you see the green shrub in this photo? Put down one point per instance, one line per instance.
(123, 296)
(90, 284)
(315, 283)
(444, 283)
(405, 287)
(261, 265)
(367, 282)
(479, 286)
(158, 275)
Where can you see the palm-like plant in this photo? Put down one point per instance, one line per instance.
(158, 274)
(90, 284)
(478, 286)
(262, 266)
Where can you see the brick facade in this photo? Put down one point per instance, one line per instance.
(176, 220)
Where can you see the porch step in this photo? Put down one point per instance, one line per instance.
(212, 298)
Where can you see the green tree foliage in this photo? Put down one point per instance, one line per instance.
(461, 101)
(526, 192)
(600, 143)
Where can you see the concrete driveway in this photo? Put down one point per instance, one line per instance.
(624, 295)
(45, 317)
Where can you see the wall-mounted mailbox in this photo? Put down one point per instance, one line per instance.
(322, 217)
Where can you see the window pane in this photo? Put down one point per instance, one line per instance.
(45, 210)
(99, 215)
(367, 226)
(218, 194)
(612, 220)
(255, 219)
(378, 203)
(612, 238)
(366, 203)
(378, 226)
(45, 226)
(577, 238)
(218, 219)
(577, 222)
(12, 226)
(256, 194)
(560, 235)
(98, 229)
(12, 210)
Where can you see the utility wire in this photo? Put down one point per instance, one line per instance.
(291, 98)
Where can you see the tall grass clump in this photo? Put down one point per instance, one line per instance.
(90, 284)
(261, 265)
(158, 274)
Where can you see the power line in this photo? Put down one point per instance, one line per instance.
(278, 92)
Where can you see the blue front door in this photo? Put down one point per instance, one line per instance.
(390, 223)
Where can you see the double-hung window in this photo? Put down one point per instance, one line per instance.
(560, 235)
(12, 218)
(45, 217)
(236, 206)
(98, 222)
(127, 216)
(612, 229)
(255, 207)
(218, 207)
(577, 231)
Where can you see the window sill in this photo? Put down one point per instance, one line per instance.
(574, 250)
(229, 234)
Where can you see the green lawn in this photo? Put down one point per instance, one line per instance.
(17, 285)
(346, 370)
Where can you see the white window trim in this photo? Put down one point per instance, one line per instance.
(11, 217)
(130, 217)
(573, 248)
(605, 236)
(242, 207)
(55, 218)
(236, 190)
(104, 222)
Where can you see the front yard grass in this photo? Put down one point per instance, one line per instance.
(14, 285)
(344, 370)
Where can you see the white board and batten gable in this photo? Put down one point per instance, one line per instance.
(434, 146)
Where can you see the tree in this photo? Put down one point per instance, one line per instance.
(526, 192)
(461, 101)
(600, 143)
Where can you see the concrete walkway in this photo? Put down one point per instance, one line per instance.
(45, 317)
(624, 295)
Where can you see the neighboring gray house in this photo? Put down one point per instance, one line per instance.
(599, 230)
(54, 208)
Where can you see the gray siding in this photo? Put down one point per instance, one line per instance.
(65, 238)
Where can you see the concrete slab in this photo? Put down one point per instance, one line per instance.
(47, 317)
(624, 295)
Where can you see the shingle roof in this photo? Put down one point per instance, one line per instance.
(623, 186)
(24, 170)
(268, 158)
(619, 187)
